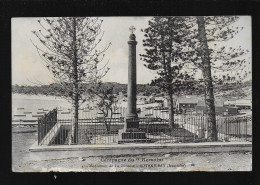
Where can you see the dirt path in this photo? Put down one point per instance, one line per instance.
(23, 138)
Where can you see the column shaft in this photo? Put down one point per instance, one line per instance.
(131, 88)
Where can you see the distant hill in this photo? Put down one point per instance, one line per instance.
(53, 89)
(236, 91)
(225, 91)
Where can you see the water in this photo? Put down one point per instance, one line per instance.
(29, 107)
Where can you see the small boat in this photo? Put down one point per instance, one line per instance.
(19, 115)
(65, 112)
(37, 116)
(29, 120)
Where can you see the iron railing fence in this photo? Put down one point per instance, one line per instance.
(195, 128)
(187, 128)
(90, 131)
(144, 113)
(46, 123)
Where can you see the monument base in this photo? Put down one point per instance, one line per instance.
(132, 133)
(133, 137)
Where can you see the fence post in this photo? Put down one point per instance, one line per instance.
(239, 130)
(38, 132)
(226, 128)
(229, 129)
(246, 129)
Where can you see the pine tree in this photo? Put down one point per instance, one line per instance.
(69, 51)
(163, 54)
(202, 52)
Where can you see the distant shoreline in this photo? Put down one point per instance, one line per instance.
(38, 97)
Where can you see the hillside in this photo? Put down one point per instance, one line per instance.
(234, 90)
(224, 91)
(55, 89)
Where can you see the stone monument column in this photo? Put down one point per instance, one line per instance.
(131, 87)
(131, 132)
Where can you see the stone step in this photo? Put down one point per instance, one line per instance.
(134, 141)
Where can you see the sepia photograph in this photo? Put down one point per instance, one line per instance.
(131, 94)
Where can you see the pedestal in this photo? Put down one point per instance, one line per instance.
(132, 133)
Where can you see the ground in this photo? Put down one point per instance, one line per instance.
(23, 138)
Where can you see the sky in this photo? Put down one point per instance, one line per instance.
(28, 69)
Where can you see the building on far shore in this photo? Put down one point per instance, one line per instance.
(165, 102)
(151, 99)
(141, 99)
(201, 107)
(220, 108)
(241, 104)
(230, 110)
(186, 104)
(159, 99)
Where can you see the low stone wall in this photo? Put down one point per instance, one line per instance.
(68, 151)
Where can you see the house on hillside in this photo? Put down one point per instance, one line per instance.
(201, 107)
(151, 99)
(165, 102)
(220, 108)
(230, 103)
(244, 104)
(230, 110)
(186, 104)
(160, 100)
(141, 99)
(241, 104)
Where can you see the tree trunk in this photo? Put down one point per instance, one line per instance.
(75, 87)
(110, 120)
(166, 68)
(107, 120)
(75, 124)
(170, 108)
(107, 125)
(206, 72)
